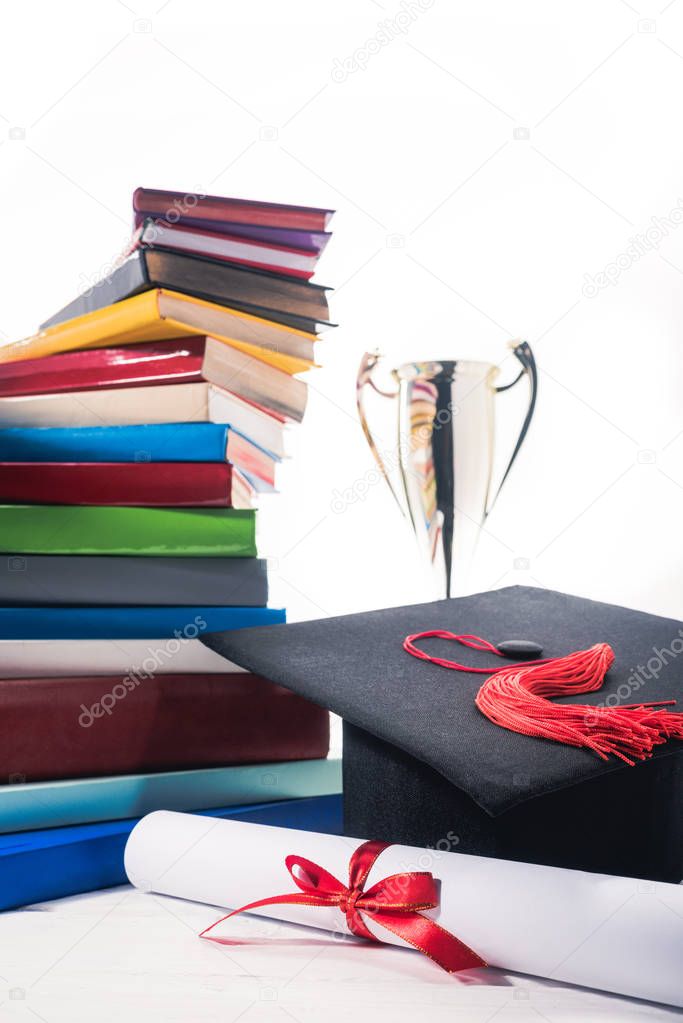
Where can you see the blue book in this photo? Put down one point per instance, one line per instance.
(102, 622)
(51, 804)
(51, 864)
(164, 442)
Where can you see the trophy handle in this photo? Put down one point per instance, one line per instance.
(366, 370)
(524, 355)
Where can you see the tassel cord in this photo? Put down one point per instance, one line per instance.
(516, 697)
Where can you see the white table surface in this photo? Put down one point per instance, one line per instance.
(125, 955)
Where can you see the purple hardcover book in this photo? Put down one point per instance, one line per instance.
(315, 241)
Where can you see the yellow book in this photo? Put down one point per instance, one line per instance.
(159, 315)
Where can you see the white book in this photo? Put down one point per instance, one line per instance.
(49, 658)
(122, 406)
(128, 406)
(262, 429)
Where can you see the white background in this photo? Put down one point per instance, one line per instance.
(483, 158)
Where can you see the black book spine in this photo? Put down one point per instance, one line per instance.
(127, 280)
(297, 304)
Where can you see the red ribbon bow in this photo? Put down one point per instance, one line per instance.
(394, 903)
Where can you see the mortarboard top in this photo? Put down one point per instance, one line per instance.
(408, 721)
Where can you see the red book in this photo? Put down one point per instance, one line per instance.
(143, 484)
(53, 728)
(276, 394)
(164, 362)
(170, 206)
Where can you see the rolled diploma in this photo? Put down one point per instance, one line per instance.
(612, 933)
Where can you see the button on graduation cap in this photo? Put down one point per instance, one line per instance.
(520, 648)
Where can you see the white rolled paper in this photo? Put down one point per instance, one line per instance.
(612, 933)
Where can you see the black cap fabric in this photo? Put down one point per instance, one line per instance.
(355, 666)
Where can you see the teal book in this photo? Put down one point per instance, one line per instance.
(27, 807)
(83, 529)
(36, 866)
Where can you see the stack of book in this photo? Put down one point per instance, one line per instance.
(138, 428)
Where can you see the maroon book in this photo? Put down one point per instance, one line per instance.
(136, 484)
(57, 728)
(170, 206)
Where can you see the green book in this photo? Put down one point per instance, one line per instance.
(82, 529)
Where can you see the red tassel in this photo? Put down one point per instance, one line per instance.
(516, 697)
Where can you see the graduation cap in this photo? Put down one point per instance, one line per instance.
(424, 766)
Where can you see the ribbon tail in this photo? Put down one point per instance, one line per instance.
(428, 937)
(293, 899)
